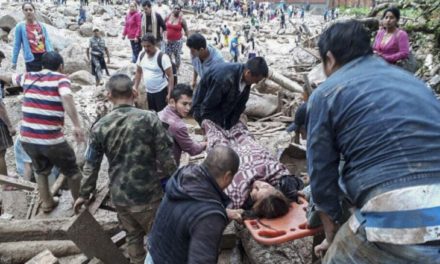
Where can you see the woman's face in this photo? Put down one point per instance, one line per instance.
(261, 190)
(29, 12)
(389, 20)
(133, 7)
(176, 11)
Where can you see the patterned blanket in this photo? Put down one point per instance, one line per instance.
(256, 163)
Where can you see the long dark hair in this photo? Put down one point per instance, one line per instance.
(273, 206)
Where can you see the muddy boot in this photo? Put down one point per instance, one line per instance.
(48, 202)
(74, 185)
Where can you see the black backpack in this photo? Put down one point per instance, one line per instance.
(159, 62)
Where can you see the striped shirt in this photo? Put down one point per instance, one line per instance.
(43, 112)
(406, 216)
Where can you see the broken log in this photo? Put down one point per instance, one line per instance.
(285, 82)
(45, 229)
(20, 252)
(45, 257)
(17, 183)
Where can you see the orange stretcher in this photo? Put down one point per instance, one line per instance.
(287, 228)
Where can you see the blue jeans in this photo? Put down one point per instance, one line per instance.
(135, 49)
(149, 259)
(348, 247)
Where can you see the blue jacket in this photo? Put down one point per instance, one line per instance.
(386, 124)
(21, 39)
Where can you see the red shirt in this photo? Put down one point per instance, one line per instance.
(36, 38)
(174, 31)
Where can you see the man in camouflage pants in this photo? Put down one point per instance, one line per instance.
(134, 142)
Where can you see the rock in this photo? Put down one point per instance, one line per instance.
(112, 34)
(261, 105)
(3, 35)
(60, 23)
(73, 27)
(316, 75)
(70, 11)
(86, 30)
(100, 10)
(74, 59)
(75, 87)
(106, 17)
(82, 77)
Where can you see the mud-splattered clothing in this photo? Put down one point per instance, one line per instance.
(134, 142)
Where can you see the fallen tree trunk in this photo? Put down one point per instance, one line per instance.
(20, 252)
(285, 82)
(45, 229)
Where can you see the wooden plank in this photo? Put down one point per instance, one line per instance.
(18, 183)
(119, 238)
(45, 257)
(89, 236)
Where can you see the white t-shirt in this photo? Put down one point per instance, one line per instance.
(162, 10)
(154, 79)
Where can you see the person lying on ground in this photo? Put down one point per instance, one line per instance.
(191, 218)
(223, 91)
(178, 108)
(262, 185)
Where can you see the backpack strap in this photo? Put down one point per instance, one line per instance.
(141, 56)
(159, 62)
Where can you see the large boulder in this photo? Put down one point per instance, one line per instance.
(59, 22)
(86, 30)
(261, 105)
(75, 59)
(82, 77)
(3, 35)
(71, 11)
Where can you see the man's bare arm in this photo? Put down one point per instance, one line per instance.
(69, 106)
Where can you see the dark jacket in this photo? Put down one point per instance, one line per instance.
(190, 220)
(218, 97)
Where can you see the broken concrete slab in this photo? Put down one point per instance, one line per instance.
(89, 236)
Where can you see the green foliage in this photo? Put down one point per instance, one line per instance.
(355, 11)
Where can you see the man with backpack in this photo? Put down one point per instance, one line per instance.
(158, 73)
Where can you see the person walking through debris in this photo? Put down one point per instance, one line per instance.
(384, 122)
(157, 71)
(47, 96)
(152, 23)
(132, 30)
(33, 37)
(163, 10)
(97, 48)
(135, 188)
(391, 42)
(224, 90)
(178, 107)
(82, 15)
(226, 32)
(191, 218)
(234, 47)
(7, 130)
(175, 23)
(203, 56)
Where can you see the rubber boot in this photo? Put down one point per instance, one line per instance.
(74, 185)
(48, 202)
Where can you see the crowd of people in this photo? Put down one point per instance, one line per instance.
(372, 139)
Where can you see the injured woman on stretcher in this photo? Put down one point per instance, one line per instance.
(263, 187)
